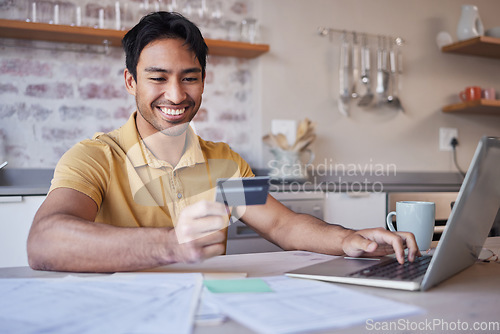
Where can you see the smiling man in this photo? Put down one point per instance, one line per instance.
(168, 85)
(142, 195)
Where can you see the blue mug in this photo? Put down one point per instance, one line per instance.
(417, 218)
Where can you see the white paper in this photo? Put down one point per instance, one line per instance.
(298, 305)
(208, 313)
(131, 303)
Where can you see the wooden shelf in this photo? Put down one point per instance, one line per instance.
(219, 47)
(87, 35)
(483, 46)
(478, 107)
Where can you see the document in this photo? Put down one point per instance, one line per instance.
(208, 313)
(298, 305)
(119, 303)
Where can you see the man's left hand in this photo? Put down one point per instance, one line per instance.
(379, 242)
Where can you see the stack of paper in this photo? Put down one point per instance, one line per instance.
(170, 303)
(292, 305)
(120, 303)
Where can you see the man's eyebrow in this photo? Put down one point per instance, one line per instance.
(154, 69)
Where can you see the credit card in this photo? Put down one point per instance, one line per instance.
(242, 191)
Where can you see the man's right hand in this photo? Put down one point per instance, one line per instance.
(200, 232)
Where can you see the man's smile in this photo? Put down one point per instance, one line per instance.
(172, 111)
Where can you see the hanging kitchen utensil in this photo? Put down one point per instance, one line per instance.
(382, 72)
(399, 56)
(393, 98)
(356, 64)
(367, 98)
(344, 82)
(392, 62)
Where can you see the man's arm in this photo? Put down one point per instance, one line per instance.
(293, 231)
(64, 237)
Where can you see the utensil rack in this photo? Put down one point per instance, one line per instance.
(324, 32)
(364, 82)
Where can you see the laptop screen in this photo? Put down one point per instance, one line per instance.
(473, 214)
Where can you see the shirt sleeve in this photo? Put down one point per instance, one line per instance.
(86, 168)
(244, 167)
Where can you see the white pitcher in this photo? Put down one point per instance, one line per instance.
(290, 165)
(470, 24)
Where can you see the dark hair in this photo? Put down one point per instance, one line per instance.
(160, 25)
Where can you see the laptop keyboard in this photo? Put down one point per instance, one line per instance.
(393, 270)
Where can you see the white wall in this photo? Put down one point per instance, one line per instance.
(299, 76)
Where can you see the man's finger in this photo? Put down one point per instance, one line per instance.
(380, 237)
(213, 250)
(394, 240)
(411, 243)
(203, 209)
(188, 231)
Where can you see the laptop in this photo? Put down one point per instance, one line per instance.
(470, 221)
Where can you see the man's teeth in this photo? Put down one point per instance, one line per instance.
(173, 112)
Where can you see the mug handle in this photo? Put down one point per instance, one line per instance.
(479, 26)
(389, 221)
(462, 96)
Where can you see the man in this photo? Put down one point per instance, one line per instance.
(115, 199)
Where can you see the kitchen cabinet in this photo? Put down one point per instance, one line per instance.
(482, 46)
(356, 210)
(88, 35)
(17, 214)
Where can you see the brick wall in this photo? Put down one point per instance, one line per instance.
(52, 95)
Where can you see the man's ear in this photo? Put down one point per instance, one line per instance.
(130, 83)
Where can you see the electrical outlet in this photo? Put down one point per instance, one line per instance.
(445, 137)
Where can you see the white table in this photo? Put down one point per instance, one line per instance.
(472, 296)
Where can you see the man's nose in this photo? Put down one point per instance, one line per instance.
(175, 92)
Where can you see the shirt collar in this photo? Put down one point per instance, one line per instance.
(139, 155)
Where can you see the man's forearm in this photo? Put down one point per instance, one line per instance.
(305, 232)
(66, 243)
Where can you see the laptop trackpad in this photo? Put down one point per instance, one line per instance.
(339, 267)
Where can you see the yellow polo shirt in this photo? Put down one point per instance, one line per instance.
(132, 188)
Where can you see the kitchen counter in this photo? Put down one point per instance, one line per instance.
(331, 181)
(21, 182)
